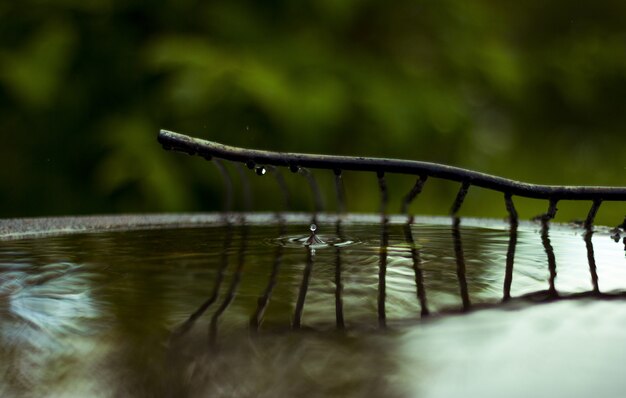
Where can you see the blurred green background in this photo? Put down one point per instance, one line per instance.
(530, 90)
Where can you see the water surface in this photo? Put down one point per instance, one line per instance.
(239, 306)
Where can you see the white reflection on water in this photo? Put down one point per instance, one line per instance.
(567, 348)
(47, 320)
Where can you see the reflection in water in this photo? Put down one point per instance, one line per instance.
(282, 186)
(564, 349)
(552, 209)
(340, 191)
(338, 283)
(382, 272)
(263, 301)
(591, 258)
(246, 191)
(106, 309)
(413, 193)
(228, 184)
(384, 243)
(188, 324)
(460, 263)
(416, 260)
(545, 239)
(510, 252)
(234, 284)
(510, 208)
(304, 287)
(510, 259)
(384, 195)
(460, 197)
(593, 211)
(318, 201)
(39, 332)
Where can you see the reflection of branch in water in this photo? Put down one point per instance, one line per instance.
(384, 242)
(592, 213)
(510, 259)
(246, 192)
(591, 259)
(460, 197)
(460, 263)
(341, 193)
(382, 272)
(545, 239)
(510, 208)
(232, 290)
(417, 262)
(304, 286)
(188, 324)
(315, 190)
(228, 184)
(263, 301)
(416, 190)
(510, 252)
(282, 186)
(550, 214)
(384, 196)
(536, 297)
(338, 283)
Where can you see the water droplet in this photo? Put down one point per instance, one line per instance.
(380, 173)
(337, 172)
(313, 239)
(250, 164)
(294, 168)
(261, 170)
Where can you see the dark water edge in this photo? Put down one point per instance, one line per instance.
(207, 305)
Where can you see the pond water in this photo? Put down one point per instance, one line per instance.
(241, 306)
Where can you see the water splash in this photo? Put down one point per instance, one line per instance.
(314, 240)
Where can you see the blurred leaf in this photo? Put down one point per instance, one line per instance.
(134, 158)
(35, 73)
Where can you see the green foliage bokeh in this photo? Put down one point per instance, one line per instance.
(531, 90)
